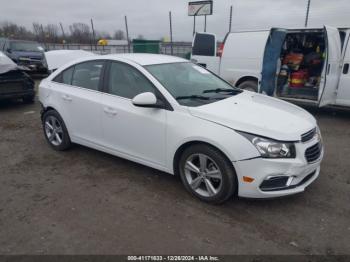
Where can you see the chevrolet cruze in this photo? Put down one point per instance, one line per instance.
(170, 114)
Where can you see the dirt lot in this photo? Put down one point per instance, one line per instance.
(86, 202)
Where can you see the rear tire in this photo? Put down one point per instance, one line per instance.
(249, 86)
(207, 174)
(55, 131)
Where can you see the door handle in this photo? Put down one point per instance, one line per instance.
(110, 111)
(67, 97)
(346, 68)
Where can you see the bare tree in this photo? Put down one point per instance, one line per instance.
(37, 31)
(8, 29)
(80, 33)
(51, 33)
(102, 35)
(140, 37)
(119, 35)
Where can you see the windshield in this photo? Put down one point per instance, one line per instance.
(26, 46)
(190, 84)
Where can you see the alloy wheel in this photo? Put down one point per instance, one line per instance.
(53, 130)
(203, 175)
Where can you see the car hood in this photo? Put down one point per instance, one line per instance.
(258, 114)
(6, 64)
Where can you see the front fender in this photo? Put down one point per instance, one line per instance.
(193, 129)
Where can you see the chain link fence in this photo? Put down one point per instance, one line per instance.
(179, 49)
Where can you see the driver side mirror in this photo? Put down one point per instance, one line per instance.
(147, 99)
(8, 50)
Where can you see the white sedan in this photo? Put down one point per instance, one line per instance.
(170, 114)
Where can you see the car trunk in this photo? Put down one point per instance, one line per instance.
(300, 66)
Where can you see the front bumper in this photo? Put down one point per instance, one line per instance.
(34, 66)
(298, 174)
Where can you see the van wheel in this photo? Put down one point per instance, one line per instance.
(55, 131)
(249, 86)
(207, 174)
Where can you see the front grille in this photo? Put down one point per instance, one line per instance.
(35, 58)
(308, 135)
(313, 153)
(29, 62)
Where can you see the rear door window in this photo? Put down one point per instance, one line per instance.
(204, 45)
(65, 77)
(88, 74)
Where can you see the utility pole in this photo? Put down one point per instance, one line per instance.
(43, 35)
(63, 34)
(171, 34)
(230, 22)
(93, 34)
(127, 32)
(307, 12)
(194, 24)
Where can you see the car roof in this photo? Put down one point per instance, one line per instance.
(147, 59)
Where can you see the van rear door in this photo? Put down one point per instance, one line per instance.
(343, 93)
(204, 48)
(270, 60)
(330, 79)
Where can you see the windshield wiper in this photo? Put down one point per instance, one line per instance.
(193, 97)
(221, 90)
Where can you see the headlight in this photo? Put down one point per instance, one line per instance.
(44, 62)
(269, 148)
(318, 133)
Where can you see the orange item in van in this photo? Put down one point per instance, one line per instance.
(293, 60)
(298, 78)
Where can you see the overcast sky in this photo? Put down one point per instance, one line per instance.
(150, 17)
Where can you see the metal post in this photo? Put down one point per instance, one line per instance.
(127, 33)
(194, 24)
(63, 34)
(93, 34)
(171, 35)
(43, 34)
(205, 23)
(307, 12)
(230, 23)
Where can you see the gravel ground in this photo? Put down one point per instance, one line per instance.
(86, 202)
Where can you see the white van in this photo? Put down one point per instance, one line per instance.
(299, 65)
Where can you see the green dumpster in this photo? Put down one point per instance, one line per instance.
(146, 46)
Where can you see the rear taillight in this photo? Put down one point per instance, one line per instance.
(220, 50)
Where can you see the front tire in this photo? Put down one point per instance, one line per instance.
(207, 174)
(55, 131)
